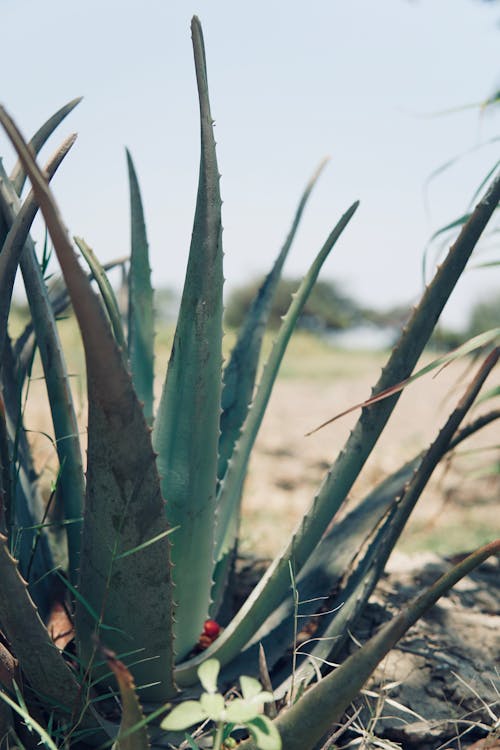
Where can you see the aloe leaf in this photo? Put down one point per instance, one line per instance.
(18, 174)
(229, 496)
(24, 506)
(60, 301)
(473, 344)
(123, 504)
(106, 290)
(43, 665)
(71, 485)
(48, 674)
(186, 431)
(18, 221)
(321, 575)
(333, 491)
(132, 734)
(140, 303)
(6, 500)
(240, 372)
(376, 550)
(230, 492)
(303, 725)
(239, 380)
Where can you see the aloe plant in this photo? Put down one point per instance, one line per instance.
(151, 528)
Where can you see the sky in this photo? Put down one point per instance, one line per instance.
(379, 87)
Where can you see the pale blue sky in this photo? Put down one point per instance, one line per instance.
(289, 84)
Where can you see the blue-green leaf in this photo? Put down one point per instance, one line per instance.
(186, 431)
(124, 507)
(240, 372)
(18, 245)
(338, 482)
(106, 290)
(140, 301)
(18, 174)
(230, 491)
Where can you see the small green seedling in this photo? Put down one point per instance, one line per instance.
(226, 714)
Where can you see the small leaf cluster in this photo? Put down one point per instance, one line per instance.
(225, 714)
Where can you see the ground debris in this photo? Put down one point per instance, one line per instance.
(444, 676)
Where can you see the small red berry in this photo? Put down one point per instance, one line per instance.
(211, 628)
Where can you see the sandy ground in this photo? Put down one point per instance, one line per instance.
(457, 511)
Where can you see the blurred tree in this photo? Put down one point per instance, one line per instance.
(484, 315)
(327, 307)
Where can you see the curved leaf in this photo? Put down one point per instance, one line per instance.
(240, 372)
(132, 734)
(186, 431)
(108, 296)
(230, 490)
(269, 592)
(365, 572)
(303, 725)
(18, 223)
(140, 301)
(24, 504)
(123, 505)
(41, 661)
(71, 483)
(18, 174)
(473, 344)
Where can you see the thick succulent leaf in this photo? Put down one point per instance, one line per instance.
(124, 507)
(230, 491)
(240, 372)
(41, 662)
(48, 674)
(474, 344)
(132, 734)
(3, 229)
(186, 431)
(24, 505)
(140, 301)
(18, 222)
(366, 569)
(321, 576)
(6, 719)
(6, 501)
(108, 296)
(60, 301)
(303, 725)
(270, 591)
(71, 483)
(18, 174)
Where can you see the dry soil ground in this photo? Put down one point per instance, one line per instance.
(458, 511)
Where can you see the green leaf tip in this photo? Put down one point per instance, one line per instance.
(186, 428)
